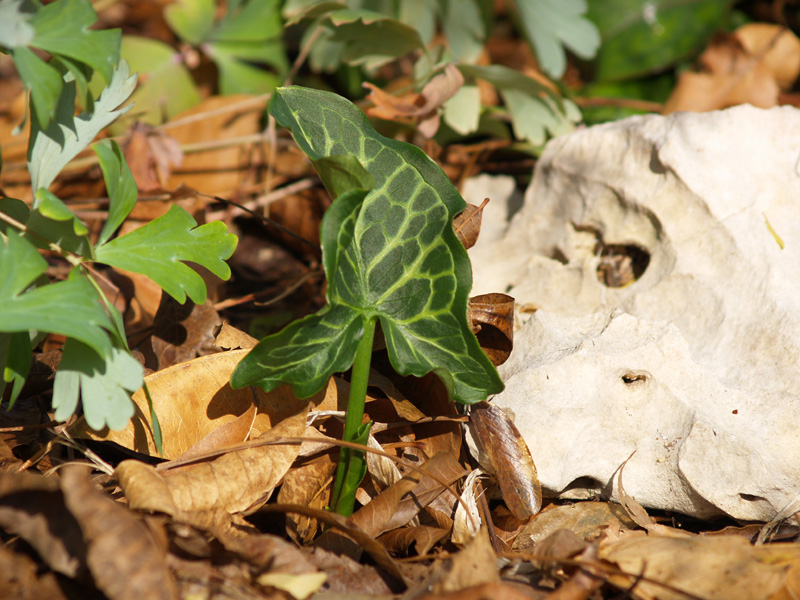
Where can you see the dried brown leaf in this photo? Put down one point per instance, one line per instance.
(639, 515)
(194, 398)
(588, 520)
(421, 539)
(510, 460)
(467, 224)
(229, 434)
(382, 469)
(32, 507)
(751, 65)
(307, 485)
(19, 579)
(493, 317)
(182, 332)
(217, 168)
(399, 503)
(475, 564)
(467, 520)
(705, 567)
(126, 561)
(230, 483)
(348, 528)
(423, 106)
(231, 338)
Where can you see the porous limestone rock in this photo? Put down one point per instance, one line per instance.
(695, 364)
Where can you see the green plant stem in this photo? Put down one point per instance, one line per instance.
(352, 463)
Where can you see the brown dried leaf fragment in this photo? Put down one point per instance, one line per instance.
(421, 539)
(423, 106)
(19, 579)
(126, 560)
(467, 224)
(307, 485)
(182, 332)
(492, 319)
(509, 459)
(32, 507)
(194, 398)
(231, 483)
(401, 502)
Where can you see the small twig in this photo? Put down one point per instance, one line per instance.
(263, 218)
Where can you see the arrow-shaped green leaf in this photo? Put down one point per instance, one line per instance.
(393, 257)
(158, 249)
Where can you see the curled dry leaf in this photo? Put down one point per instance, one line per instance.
(423, 106)
(230, 483)
(492, 317)
(467, 224)
(151, 154)
(639, 515)
(509, 459)
(126, 560)
(751, 65)
(194, 398)
(475, 564)
(383, 470)
(467, 521)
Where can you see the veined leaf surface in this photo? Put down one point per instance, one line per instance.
(392, 257)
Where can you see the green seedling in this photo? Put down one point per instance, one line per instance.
(390, 256)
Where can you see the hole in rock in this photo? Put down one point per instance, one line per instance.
(586, 483)
(557, 254)
(620, 264)
(634, 378)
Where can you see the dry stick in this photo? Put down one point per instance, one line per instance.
(296, 441)
(274, 196)
(251, 297)
(265, 219)
(215, 111)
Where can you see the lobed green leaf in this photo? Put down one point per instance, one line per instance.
(104, 384)
(158, 249)
(551, 24)
(54, 146)
(71, 307)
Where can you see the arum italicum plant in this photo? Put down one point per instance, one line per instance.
(390, 256)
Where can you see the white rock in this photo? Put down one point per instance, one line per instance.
(713, 324)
